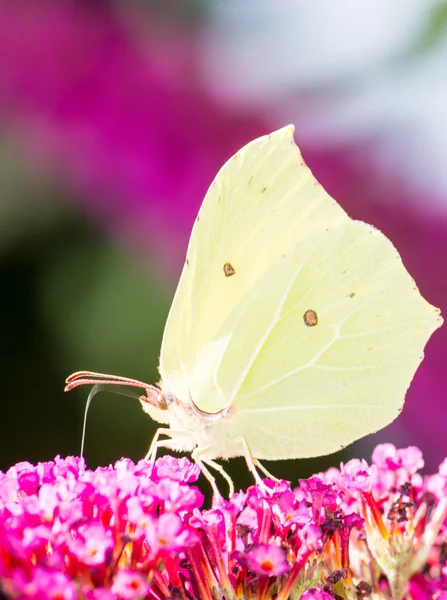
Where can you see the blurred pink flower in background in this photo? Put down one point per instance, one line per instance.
(115, 107)
(116, 110)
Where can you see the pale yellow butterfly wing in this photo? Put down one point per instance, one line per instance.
(316, 333)
(262, 201)
(305, 390)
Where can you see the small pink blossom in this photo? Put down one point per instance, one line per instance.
(129, 585)
(396, 466)
(92, 544)
(248, 518)
(44, 585)
(357, 475)
(288, 510)
(28, 481)
(320, 494)
(136, 513)
(179, 469)
(311, 538)
(36, 537)
(100, 593)
(331, 476)
(316, 594)
(267, 560)
(349, 522)
(388, 457)
(411, 459)
(168, 533)
(174, 495)
(213, 520)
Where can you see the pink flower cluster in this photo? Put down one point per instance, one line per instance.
(140, 531)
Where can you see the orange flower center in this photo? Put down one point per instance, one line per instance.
(267, 565)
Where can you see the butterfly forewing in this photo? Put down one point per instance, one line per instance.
(261, 203)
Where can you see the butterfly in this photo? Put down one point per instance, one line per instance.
(294, 331)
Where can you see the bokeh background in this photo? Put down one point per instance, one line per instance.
(114, 118)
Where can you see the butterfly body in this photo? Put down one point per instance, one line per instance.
(190, 429)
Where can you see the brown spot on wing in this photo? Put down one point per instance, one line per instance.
(310, 318)
(228, 269)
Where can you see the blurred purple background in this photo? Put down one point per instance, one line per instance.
(114, 118)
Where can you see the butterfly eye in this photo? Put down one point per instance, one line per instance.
(161, 401)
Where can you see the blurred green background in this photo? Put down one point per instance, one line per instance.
(114, 118)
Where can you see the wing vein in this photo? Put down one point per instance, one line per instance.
(304, 407)
(264, 338)
(311, 364)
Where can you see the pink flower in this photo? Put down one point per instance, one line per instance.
(92, 544)
(387, 457)
(137, 514)
(168, 533)
(267, 560)
(129, 536)
(288, 510)
(100, 593)
(357, 475)
(398, 466)
(437, 484)
(129, 585)
(28, 482)
(349, 521)
(173, 494)
(35, 538)
(248, 518)
(311, 538)
(316, 594)
(211, 520)
(179, 469)
(320, 494)
(44, 585)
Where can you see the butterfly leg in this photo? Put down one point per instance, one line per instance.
(251, 462)
(224, 474)
(157, 443)
(195, 455)
(261, 467)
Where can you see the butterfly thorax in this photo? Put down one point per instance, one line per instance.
(192, 428)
